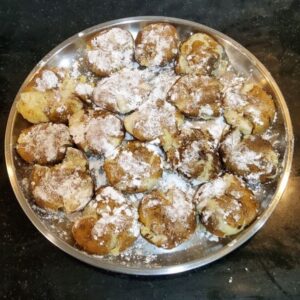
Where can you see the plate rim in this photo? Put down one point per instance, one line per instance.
(164, 270)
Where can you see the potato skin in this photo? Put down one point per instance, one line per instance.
(82, 234)
(267, 107)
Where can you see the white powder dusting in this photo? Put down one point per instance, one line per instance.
(47, 81)
(159, 42)
(111, 50)
(255, 114)
(75, 72)
(212, 189)
(84, 90)
(45, 142)
(101, 133)
(206, 110)
(173, 180)
(111, 193)
(73, 190)
(96, 169)
(134, 167)
(215, 128)
(202, 233)
(239, 153)
(156, 149)
(234, 99)
(77, 131)
(155, 116)
(190, 155)
(244, 157)
(128, 137)
(180, 209)
(120, 216)
(123, 91)
(161, 83)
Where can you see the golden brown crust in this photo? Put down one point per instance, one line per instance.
(259, 98)
(226, 206)
(44, 143)
(197, 96)
(253, 113)
(66, 186)
(156, 44)
(50, 96)
(134, 169)
(82, 234)
(251, 157)
(198, 55)
(109, 224)
(191, 152)
(168, 219)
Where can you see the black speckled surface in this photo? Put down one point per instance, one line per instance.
(267, 267)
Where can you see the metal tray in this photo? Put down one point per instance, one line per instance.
(147, 259)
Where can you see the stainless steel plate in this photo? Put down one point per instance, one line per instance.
(146, 259)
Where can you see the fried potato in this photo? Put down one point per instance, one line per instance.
(251, 157)
(251, 110)
(191, 152)
(98, 132)
(197, 96)
(49, 97)
(225, 205)
(134, 169)
(109, 51)
(44, 143)
(109, 224)
(122, 92)
(167, 218)
(156, 44)
(198, 55)
(67, 186)
(152, 120)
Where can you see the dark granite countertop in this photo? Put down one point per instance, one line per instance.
(267, 267)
